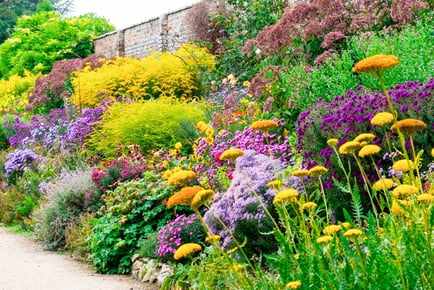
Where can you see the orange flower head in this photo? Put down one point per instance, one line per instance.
(375, 64)
(181, 176)
(264, 125)
(408, 126)
(184, 196)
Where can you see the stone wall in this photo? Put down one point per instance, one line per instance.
(165, 33)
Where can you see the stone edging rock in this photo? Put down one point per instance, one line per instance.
(149, 270)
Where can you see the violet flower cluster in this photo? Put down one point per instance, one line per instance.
(273, 145)
(239, 208)
(19, 160)
(183, 229)
(350, 114)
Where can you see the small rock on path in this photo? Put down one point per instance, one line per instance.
(24, 265)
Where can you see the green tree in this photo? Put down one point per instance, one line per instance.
(39, 40)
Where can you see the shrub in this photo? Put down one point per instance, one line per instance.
(160, 74)
(132, 212)
(10, 200)
(241, 208)
(183, 229)
(150, 124)
(50, 91)
(32, 47)
(5, 132)
(13, 92)
(76, 237)
(65, 202)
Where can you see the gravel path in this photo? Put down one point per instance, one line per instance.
(24, 265)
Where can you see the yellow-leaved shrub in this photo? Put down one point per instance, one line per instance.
(13, 92)
(160, 74)
(151, 124)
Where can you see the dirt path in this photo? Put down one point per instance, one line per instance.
(25, 266)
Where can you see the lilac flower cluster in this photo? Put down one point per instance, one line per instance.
(239, 208)
(55, 129)
(183, 229)
(350, 114)
(19, 160)
(273, 145)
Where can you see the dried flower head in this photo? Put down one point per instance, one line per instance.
(264, 125)
(324, 239)
(364, 137)
(201, 198)
(369, 149)
(212, 238)
(353, 233)
(382, 118)
(382, 184)
(375, 64)
(404, 189)
(300, 173)
(402, 165)
(231, 154)
(184, 196)
(287, 194)
(408, 126)
(318, 170)
(186, 250)
(425, 197)
(293, 285)
(349, 147)
(332, 229)
(332, 142)
(181, 176)
(309, 205)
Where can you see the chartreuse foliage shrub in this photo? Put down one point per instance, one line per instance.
(151, 124)
(13, 92)
(39, 40)
(160, 74)
(131, 212)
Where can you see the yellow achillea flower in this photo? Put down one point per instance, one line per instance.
(293, 285)
(397, 206)
(231, 154)
(178, 145)
(202, 126)
(212, 238)
(318, 170)
(309, 205)
(275, 184)
(408, 126)
(209, 140)
(425, 197)
(332, 229)
(349, 147)
(382, 118)
(324, 239)
(375, 64)
(382, 184)
(367, 137)
(432, 152)
(209, 132)
(369, 149)
(181, 176)
(264, 125)
(353, 233)
(332, 142)
(186, 250)
(184, 196)
(404, 189)
(346, 225)
(287, 194)
(402, 165)
(300, 173)
(201, 198)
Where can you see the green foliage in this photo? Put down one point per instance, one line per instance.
(148, 246)
(5, 132)
(242, 20)
(15, 207)
(40, 40)
(132, 212)
(412, 46)
(152, 124)
(13, 92)
(76, 237)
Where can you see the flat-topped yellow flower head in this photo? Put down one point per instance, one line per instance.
(186, 250)
(382, 184)
(287, 194)
(382, 118)
(318, 170)
(231, 154)
(369, 149)
(403, 165)
(367, 137)
(375, 64)
(349, 147)
(404, 189)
